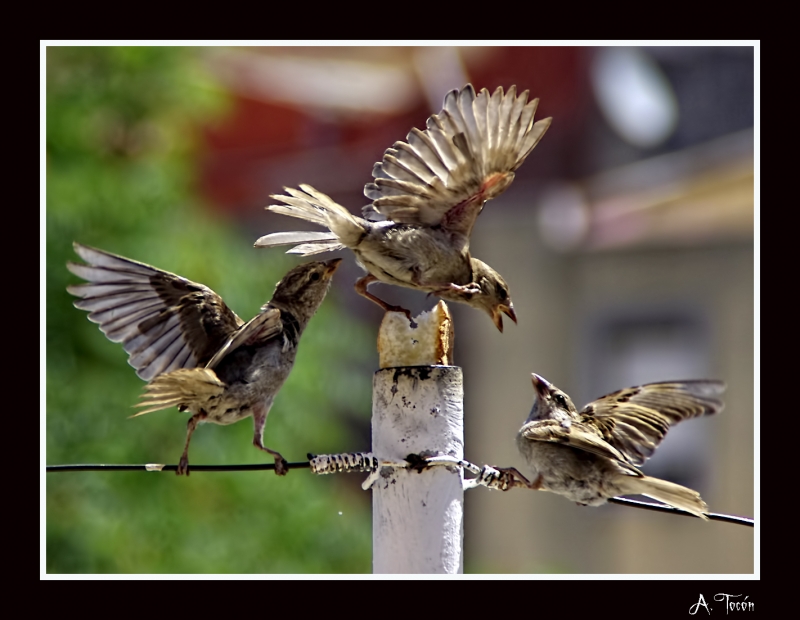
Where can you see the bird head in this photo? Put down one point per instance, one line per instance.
(549, 403)
(494, 298)
(303, 289)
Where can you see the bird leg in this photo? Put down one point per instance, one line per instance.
(361, 289)
(259, 422)
(516, 479)
(183, 464)
(467, 290)
(439, 288)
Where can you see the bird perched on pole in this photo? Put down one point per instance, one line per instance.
(592, 455)
(193, 350)
(430, 191)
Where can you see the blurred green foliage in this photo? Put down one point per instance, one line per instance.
(121, 137)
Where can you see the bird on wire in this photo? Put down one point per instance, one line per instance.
(593, 454)
(429, 191)
(193, 350)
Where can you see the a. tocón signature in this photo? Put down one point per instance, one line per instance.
(732, 602)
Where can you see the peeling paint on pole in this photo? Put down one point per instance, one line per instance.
(418, 518)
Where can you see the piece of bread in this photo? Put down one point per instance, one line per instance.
(430, 343)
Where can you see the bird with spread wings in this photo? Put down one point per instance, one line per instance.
(594, 454)
(429, 191)
(194, 351)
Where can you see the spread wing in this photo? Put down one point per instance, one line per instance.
(165, 322)
(576, 435)
(467, 155)
(635, 420)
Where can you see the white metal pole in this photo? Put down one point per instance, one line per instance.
(418, 518)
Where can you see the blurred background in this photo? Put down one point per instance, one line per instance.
(626, 240)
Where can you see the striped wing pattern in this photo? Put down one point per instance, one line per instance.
(257, 331)
(466, 155)
(576, 435)
(635, 420)
(164, 322)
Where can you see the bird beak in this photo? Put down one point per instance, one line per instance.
(497, 318)
(510, 312)
(539, 408)
(540, 384)
(332, 265)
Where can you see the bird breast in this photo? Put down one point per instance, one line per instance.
(409, 255)
(256, 373)
(578, 475)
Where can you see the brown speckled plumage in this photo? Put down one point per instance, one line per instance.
(592, 455)
(195, 352)
(428, 191)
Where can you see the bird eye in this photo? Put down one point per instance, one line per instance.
(502, 294)
(315, 276)
(560, 400)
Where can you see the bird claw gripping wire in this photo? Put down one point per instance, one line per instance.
(501, 479)
(490, 478)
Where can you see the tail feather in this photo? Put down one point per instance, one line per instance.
(289, 238)
(313, 206)
(309, 249)
(308, 243)
(183, 387)
(299, 209)
(668, 492)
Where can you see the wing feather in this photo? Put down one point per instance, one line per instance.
(576, 435)
(163, 321)
(466, 155)
(265, 325)
(635, 420)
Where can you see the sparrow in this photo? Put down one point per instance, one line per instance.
(592, 455)
(193, 350)
(429, 191)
